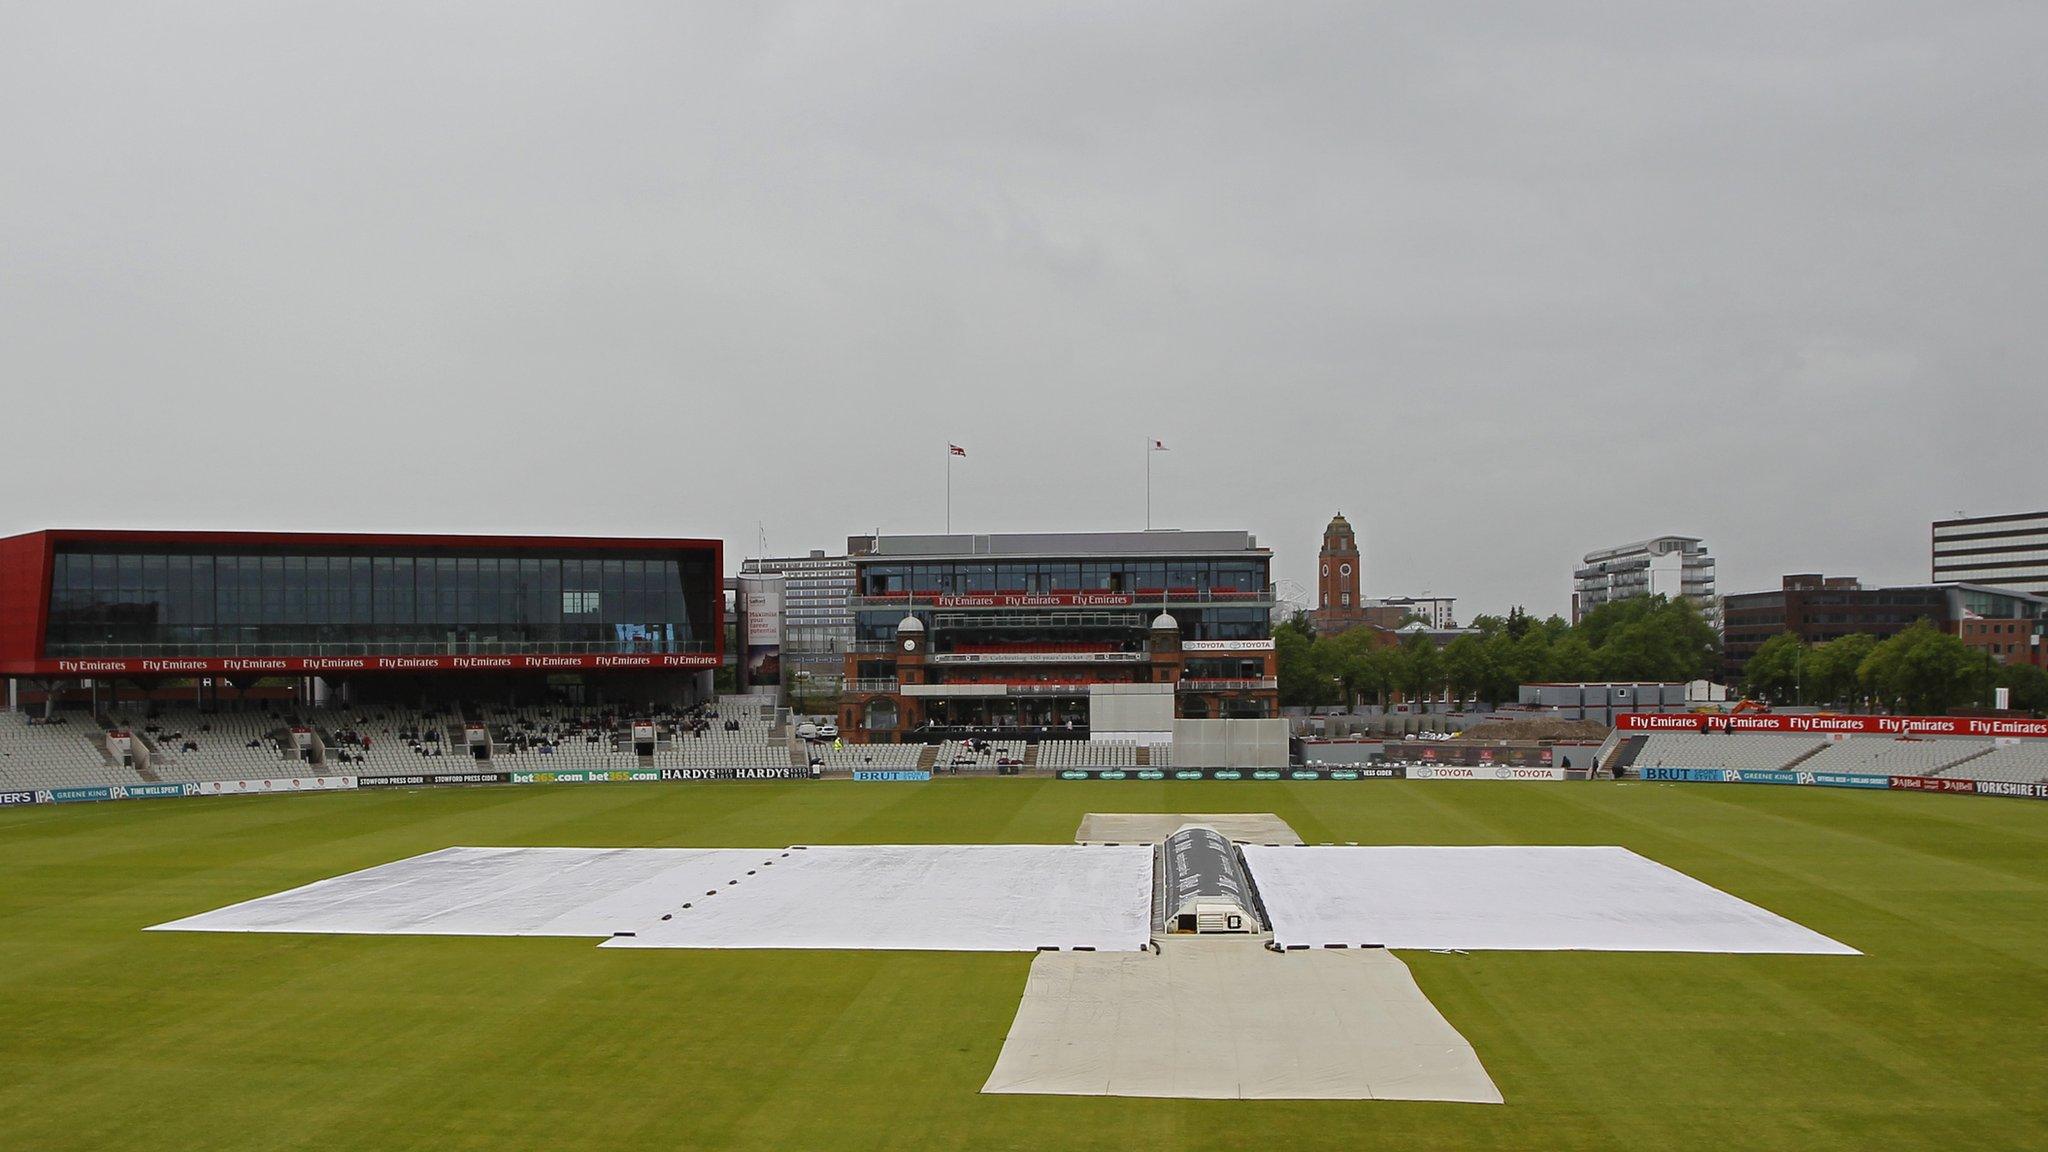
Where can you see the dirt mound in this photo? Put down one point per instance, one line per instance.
(1576, 731)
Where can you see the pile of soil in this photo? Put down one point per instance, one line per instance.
(1568, 731)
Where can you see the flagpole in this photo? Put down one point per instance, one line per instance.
(1148, 484)
(949, 489)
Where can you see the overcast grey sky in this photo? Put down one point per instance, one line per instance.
(1503, 282)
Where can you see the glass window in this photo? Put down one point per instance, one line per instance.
(314, 609)
(205, 608)
(447, 600)
(361, 611)
(270, 589)
(614, 588)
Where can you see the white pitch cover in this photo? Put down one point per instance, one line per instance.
(951, 897)
(1530, 898)
(493, 892)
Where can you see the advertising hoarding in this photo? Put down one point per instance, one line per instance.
(1830, 725)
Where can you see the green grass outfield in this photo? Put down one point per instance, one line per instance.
(113, 1039)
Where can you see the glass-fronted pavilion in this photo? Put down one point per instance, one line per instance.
(86, 602)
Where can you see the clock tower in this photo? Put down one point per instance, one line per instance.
(1339, 605)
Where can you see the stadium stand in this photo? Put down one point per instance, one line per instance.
(66, 754)
(1754, 752)
(893, 757)
(398, 740)
(537, 738)
(189, 745)
(2022, 763)
(729, 733)
(978, 755)
(1885, 756)
(1087, 754)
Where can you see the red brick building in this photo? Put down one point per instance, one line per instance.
(1340, 605)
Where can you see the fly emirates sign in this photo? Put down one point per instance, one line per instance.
(294, 665)
(1825, 725)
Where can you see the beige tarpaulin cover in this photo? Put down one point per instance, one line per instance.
(1226, 1019)
(1152, 827)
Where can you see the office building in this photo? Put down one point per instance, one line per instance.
(1671, 566)
(2007, 551)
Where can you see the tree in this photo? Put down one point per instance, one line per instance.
(2028, 684)
(1650, 638)
(1504, 668)
(1378, 669)
(1776, 671)
(1831, 669)
(1489, 625)
(1302, 683)
(1421, 668)
(1924, 670)
(1343, 658)
(1467, 667)
(1570, 658)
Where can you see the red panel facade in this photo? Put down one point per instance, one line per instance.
(26, 563)
(24, 596)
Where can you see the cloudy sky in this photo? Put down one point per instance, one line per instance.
(1504, 282)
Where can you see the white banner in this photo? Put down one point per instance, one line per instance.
(275, 784)
(1483, 772)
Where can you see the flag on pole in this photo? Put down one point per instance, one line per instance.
(956, 450)
(1159, 446)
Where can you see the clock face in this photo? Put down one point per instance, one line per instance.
(910, 645)
(1346, 569)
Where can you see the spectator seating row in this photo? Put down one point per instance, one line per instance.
(2025, 763)
(191, 745)
(1087, 754)
(879, 757)
(1761, 751)
(963, 756)
(68, 754)
(1885, 756)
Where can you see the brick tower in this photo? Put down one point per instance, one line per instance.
(1339, 606)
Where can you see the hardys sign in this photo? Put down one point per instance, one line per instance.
(1827, 725)
(773, 773)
